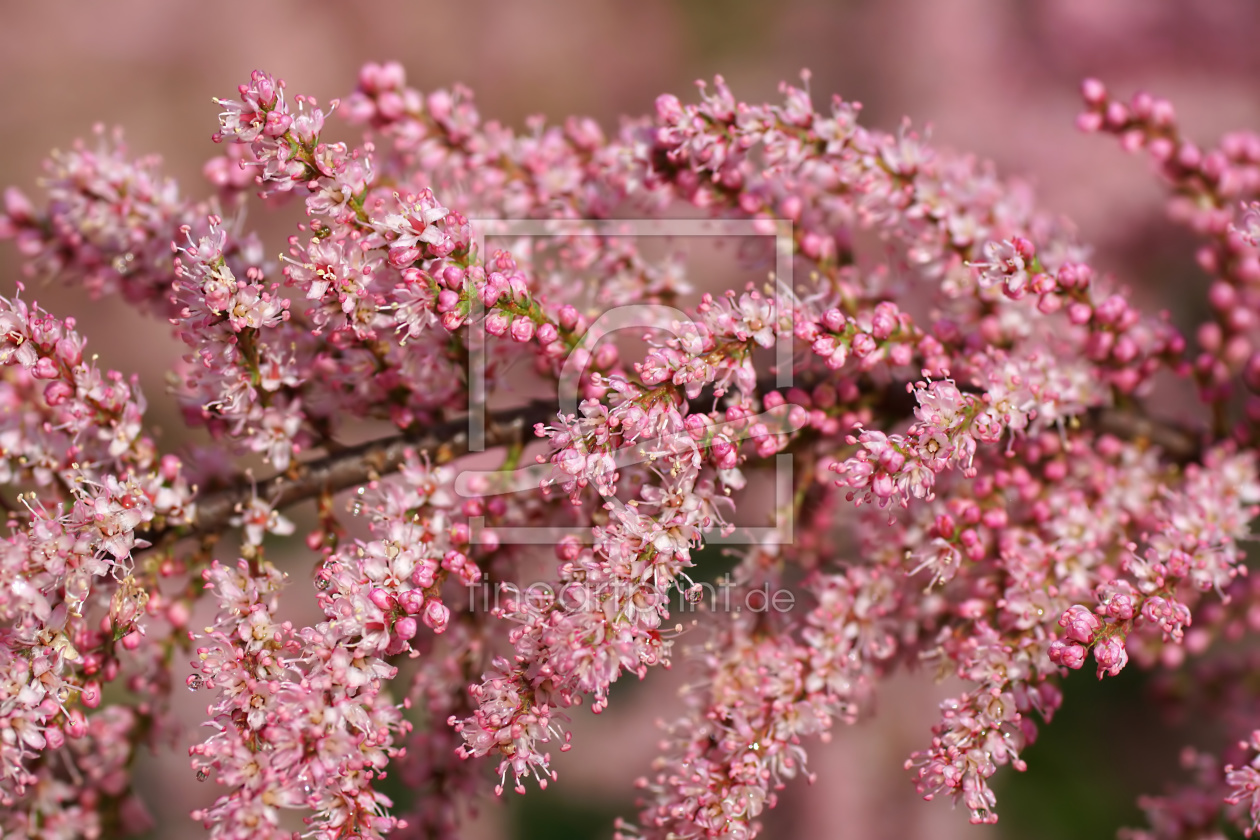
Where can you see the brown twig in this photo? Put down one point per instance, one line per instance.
(1180, 444)
(356, 465)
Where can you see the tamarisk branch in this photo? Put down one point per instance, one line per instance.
(446, 441)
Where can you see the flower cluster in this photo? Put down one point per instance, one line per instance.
(960, 421)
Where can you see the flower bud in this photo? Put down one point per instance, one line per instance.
(436, 616)
(76, 725)
(1067, 654)
(1111, 656)
(412, 601)
(497, 323)
(522, 329)
(1081, 623)
(45, 368)
(447, 300)
(406, 628)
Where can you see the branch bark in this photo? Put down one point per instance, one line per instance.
(1179, 443)
(353, 466)
(357, 465)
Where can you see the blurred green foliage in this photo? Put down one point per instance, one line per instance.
(1107, 745)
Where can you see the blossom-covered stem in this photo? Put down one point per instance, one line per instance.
(962, 374)
(776, 681)
(1212, 190)
(351, 466)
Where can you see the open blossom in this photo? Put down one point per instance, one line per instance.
(1006, 263)
(258, 518)
(953, 367)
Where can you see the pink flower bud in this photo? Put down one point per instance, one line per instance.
(697, 425)
(277, 124)
(1080, 313)
(891, 460)
(76, 725)
(491, 291)
(605, 356)
(382, 599)
(70, 350)
(178, 614)
(668, 108)
(547, 334)
(91, 694)
(1222, 295)
(1093, 91)
(518, 286)
(447, 300)
(1111, 656)
(436, 616)
(863, 345)
(412, 601)
(568, 548)
(45, 368)
(391, 76)
(994, 518)
(799, 417)
(766, 445)
(834, 320)
(1210, 336)
(498, 322)
(453, 277)
(16, 205)
(425, 573)
(1080, 623)
(1089, 122)
(58, 392)
(806, 330)
(1067, 654)
(390, 105)
(1116, 114)
(884, 321)
(725, 453)
(406, 627)
(522, 329)
(1120, 606)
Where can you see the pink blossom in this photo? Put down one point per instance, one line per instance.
(1110, 655)
(946, 360)
(1081, 624)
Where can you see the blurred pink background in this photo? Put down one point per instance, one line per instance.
(998, 79)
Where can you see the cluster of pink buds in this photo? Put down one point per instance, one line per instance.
(959, 417)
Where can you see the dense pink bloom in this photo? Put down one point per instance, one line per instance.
(953, 367)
